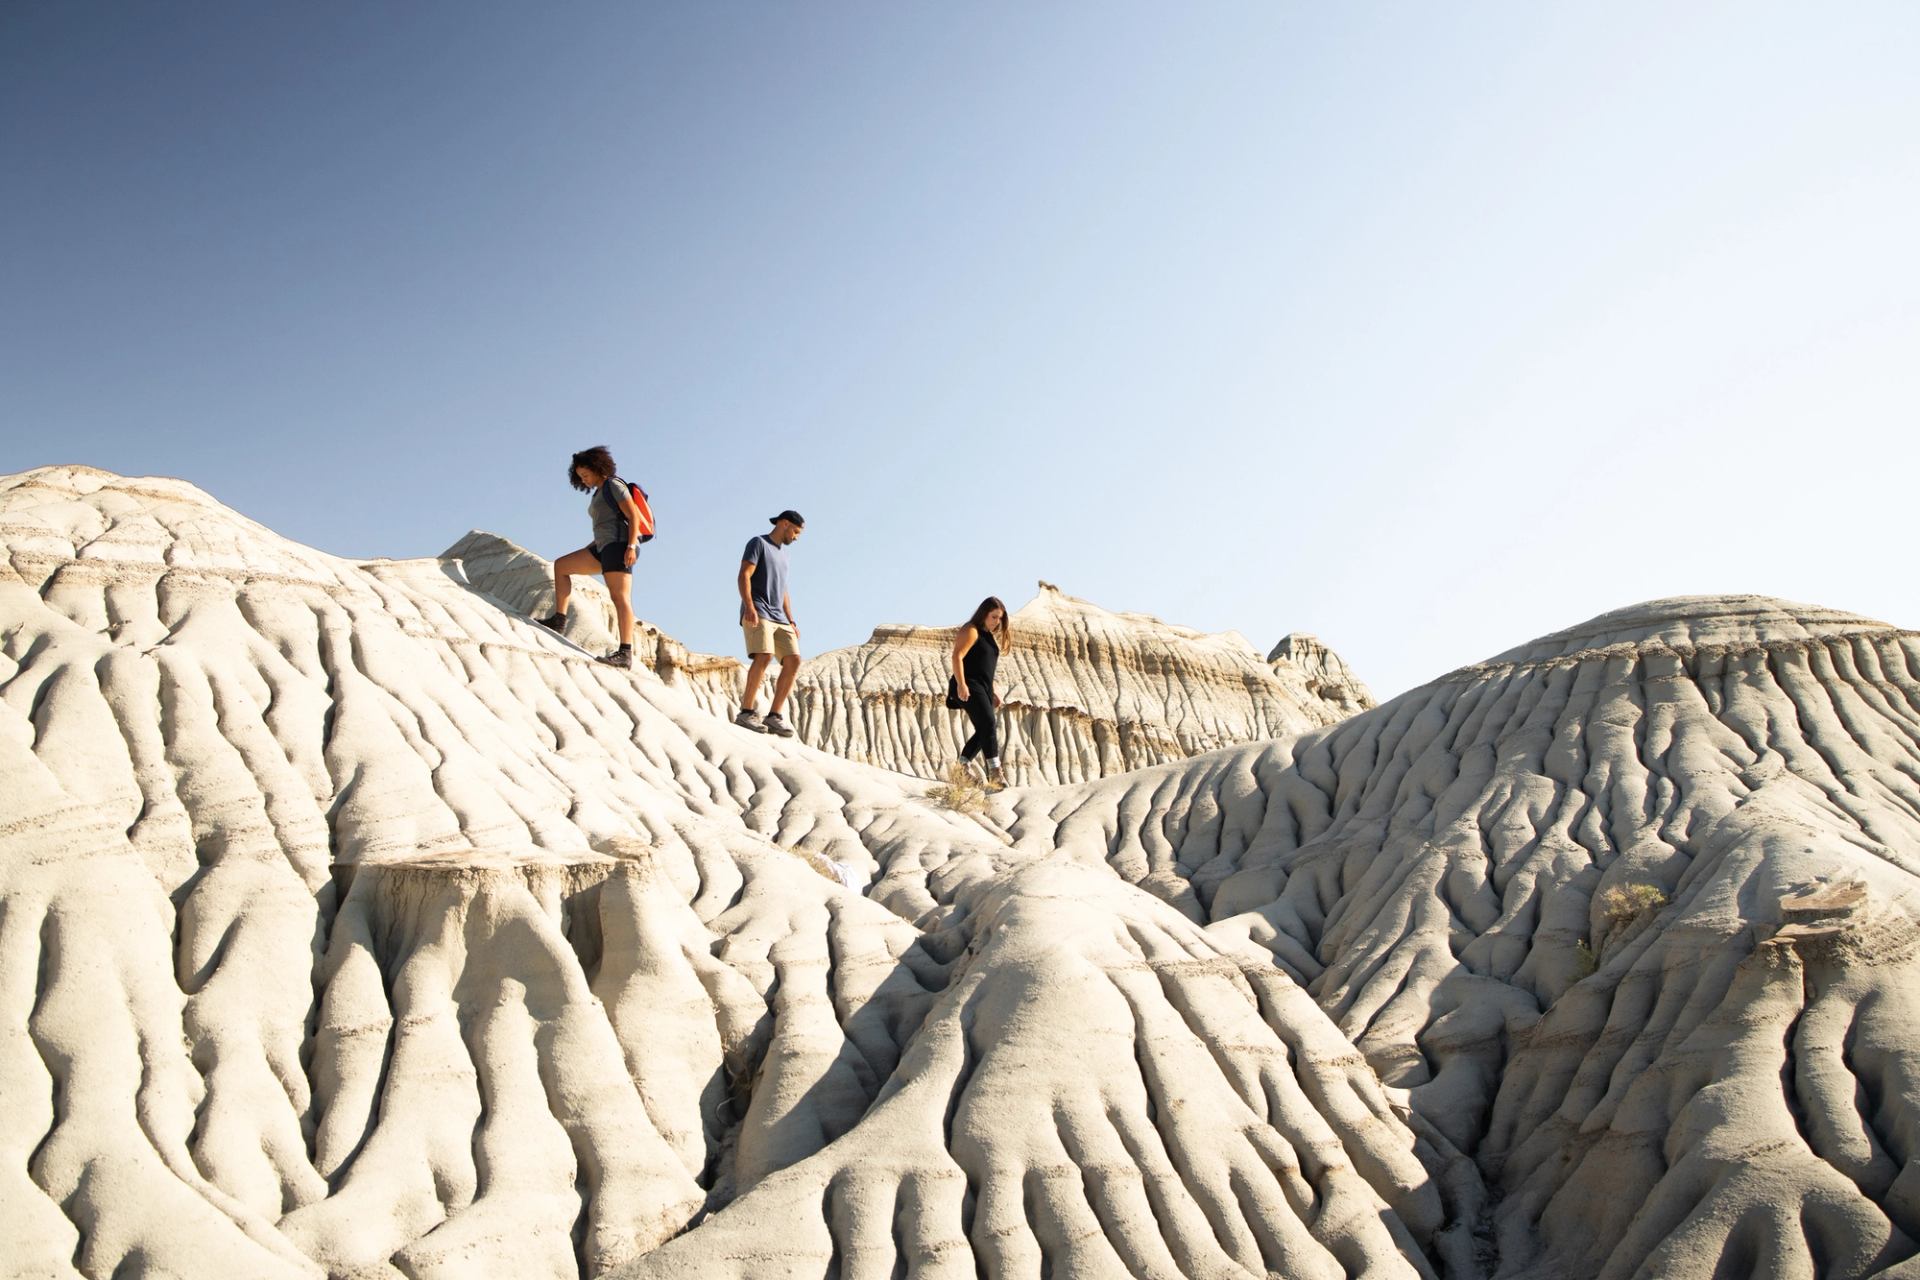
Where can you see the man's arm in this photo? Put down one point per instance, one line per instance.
(786, 605)
(748, 614)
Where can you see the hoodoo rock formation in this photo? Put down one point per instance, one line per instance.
(1086, 693)
(351, 925)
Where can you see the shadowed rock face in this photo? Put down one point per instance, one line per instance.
(1086, 693)
(351, 925)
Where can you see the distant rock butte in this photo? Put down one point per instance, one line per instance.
(351, 925)
(1086, 693)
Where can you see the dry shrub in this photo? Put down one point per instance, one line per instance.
(1625, 903)
(959, 791)
(1584, 962)
(814, 860)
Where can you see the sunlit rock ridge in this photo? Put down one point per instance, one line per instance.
(351, 925)
(1085, 692)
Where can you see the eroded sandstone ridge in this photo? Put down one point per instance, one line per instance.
(1086, 693)
(351, 925)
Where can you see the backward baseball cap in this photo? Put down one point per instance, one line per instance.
(790, 515)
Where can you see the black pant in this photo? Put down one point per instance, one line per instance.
(986, 734)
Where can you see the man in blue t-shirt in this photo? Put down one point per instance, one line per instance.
(766, 616)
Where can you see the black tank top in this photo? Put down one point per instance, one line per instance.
(981, 661)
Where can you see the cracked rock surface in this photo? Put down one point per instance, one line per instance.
(351, 925)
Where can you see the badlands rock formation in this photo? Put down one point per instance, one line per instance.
(1628, 912)
(350, 925)
(1085, 694)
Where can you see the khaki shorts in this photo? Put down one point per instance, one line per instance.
(776, 638)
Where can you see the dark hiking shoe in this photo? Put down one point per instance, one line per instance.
(553, 621)
(621, 658)
(776, 725)
(748, 720)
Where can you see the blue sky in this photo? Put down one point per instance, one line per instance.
(1425, 328)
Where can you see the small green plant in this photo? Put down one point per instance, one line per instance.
(959, 791)
(1583, 962)
(1625, 903)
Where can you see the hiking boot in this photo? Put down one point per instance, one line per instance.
(621, 658)
(553, 621)
(996, 781)
(748, 720)
(777, 726)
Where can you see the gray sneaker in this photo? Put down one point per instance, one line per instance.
(777, 726)
(748, 720)
(621, 658)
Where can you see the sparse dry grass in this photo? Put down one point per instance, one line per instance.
(1624, 904)
(1584, 962)
(814, 860)
(959, 791)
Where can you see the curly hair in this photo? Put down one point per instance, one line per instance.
(596, 460)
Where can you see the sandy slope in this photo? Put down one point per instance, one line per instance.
(351, 925)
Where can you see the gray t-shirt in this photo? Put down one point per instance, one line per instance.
(769, 561)
(609, 526)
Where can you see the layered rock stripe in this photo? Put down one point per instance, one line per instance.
(352, 925)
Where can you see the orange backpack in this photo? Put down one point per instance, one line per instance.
(642, 511)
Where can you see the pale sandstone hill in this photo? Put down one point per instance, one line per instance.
(1086, 693)
(1628, 910)
(350, 925)
(1323, 673)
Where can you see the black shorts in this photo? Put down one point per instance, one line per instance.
(613, 557)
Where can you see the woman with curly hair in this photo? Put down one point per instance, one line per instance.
(615, 546)
(976, 656)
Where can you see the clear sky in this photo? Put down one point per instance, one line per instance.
(1427, 328)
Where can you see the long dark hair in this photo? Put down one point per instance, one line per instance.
(1002, 634)
(596, 460)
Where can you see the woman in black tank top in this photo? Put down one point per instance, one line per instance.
(976, 656)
